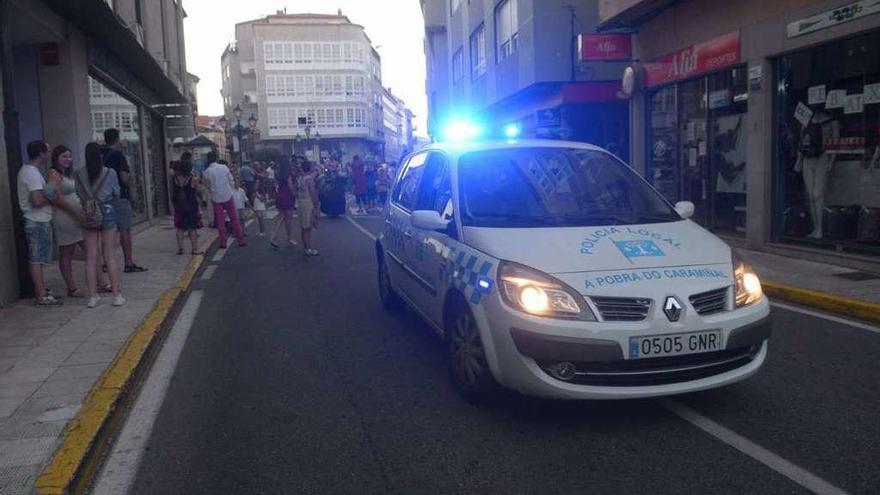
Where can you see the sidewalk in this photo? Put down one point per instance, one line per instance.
(51, 357)
(828, 287)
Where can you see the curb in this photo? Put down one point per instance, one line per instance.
(87, 435)
(844, 306)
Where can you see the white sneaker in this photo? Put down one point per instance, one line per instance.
(118, 300)
(312, 252)
(292, 243)
(93, 301)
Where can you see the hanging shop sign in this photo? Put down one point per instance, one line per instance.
(697, 59)
(833, 17)
(604, 47)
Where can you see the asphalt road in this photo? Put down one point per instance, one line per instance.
(294, 380)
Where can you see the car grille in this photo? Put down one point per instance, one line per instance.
(622, 308)
(658, 371)
(713, 301)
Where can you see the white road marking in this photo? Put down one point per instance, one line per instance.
(835, 319)
(361, 228)
(791, 471)
(209, 272)
(218, 256)
(120, 468)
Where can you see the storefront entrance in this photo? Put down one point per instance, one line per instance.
(697, 147)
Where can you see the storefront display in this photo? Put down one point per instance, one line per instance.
(828, 174)
(697, 146)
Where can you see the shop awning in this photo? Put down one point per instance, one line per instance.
(179, 120)
(552, 94)
(96, 19)
(633, 15)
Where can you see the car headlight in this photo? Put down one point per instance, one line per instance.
(530, 291)
(747, 283)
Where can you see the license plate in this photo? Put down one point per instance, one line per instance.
(674, 344)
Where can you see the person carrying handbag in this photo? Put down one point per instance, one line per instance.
(97, 186)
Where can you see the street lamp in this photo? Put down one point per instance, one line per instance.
(223, 122)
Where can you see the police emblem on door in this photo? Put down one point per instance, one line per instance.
(672, 308)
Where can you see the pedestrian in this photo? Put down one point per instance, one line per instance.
(259, 206)
(115, 159)
(285, 203)
(371, 176)
(98, 186)
(34, 200)
(239, 196)
(383, 183)
(248, 179)
(185, 197)
(66, 223)
(307, 206)
(219, 180)
(356, 169)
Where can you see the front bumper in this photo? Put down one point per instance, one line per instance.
(524, 350)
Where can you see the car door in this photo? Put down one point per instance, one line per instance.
(427, 257)
(398, 231)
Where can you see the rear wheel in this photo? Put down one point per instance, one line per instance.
(390, 300)
(468, 366)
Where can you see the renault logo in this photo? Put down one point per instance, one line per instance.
(672, 308)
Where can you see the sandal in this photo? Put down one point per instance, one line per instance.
(105, 289)
(75, 293)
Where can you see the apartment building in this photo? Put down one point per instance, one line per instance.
(539, 64)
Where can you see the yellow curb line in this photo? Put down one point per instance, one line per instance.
(75, 461)
(853, 308)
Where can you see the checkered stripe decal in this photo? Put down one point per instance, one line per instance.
(463, 268)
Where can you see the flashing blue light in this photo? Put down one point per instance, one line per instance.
(512, 131)
(484, 284)
(460, 131)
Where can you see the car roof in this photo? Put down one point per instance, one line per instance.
(455, 148)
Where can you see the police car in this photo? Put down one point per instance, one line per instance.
(554, 269)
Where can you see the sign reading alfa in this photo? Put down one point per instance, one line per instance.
(605, 47)
(844, 13)
(694, 60)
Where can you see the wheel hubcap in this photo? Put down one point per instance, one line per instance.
(467, 351)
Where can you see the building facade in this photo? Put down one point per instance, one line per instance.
(397, 127)
(71, 69)
(766, 115)
(528, 62)
(313, 83)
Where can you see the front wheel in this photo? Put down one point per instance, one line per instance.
(390, 300)
(468, 366)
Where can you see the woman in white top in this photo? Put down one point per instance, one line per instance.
(307, 205)
(68, 232)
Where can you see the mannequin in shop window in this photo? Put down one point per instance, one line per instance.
(816, 164)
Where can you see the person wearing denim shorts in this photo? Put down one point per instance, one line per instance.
(36, 208)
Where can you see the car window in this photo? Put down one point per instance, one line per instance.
(526, 187)
(432, 181)
(407, 188)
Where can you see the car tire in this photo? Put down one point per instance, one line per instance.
(390, 300)
(468, 367)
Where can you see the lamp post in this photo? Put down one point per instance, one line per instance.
(252, 133)
(237, 113)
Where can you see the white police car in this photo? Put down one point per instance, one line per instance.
(552, 268)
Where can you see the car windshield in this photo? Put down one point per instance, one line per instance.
(547, 186)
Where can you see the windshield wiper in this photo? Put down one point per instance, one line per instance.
(519, 219)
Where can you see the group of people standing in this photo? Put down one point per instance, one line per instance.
(370, 182)
(295, 194)
(89, 206)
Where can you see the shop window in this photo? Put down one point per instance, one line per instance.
(663, 142)
(110, 109)
(828, 145)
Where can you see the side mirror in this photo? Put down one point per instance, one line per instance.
(685, 209)
(428, 220)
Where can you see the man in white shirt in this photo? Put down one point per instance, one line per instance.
(222, 186)
(37, 211)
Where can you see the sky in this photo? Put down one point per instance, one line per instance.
(395, 27)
